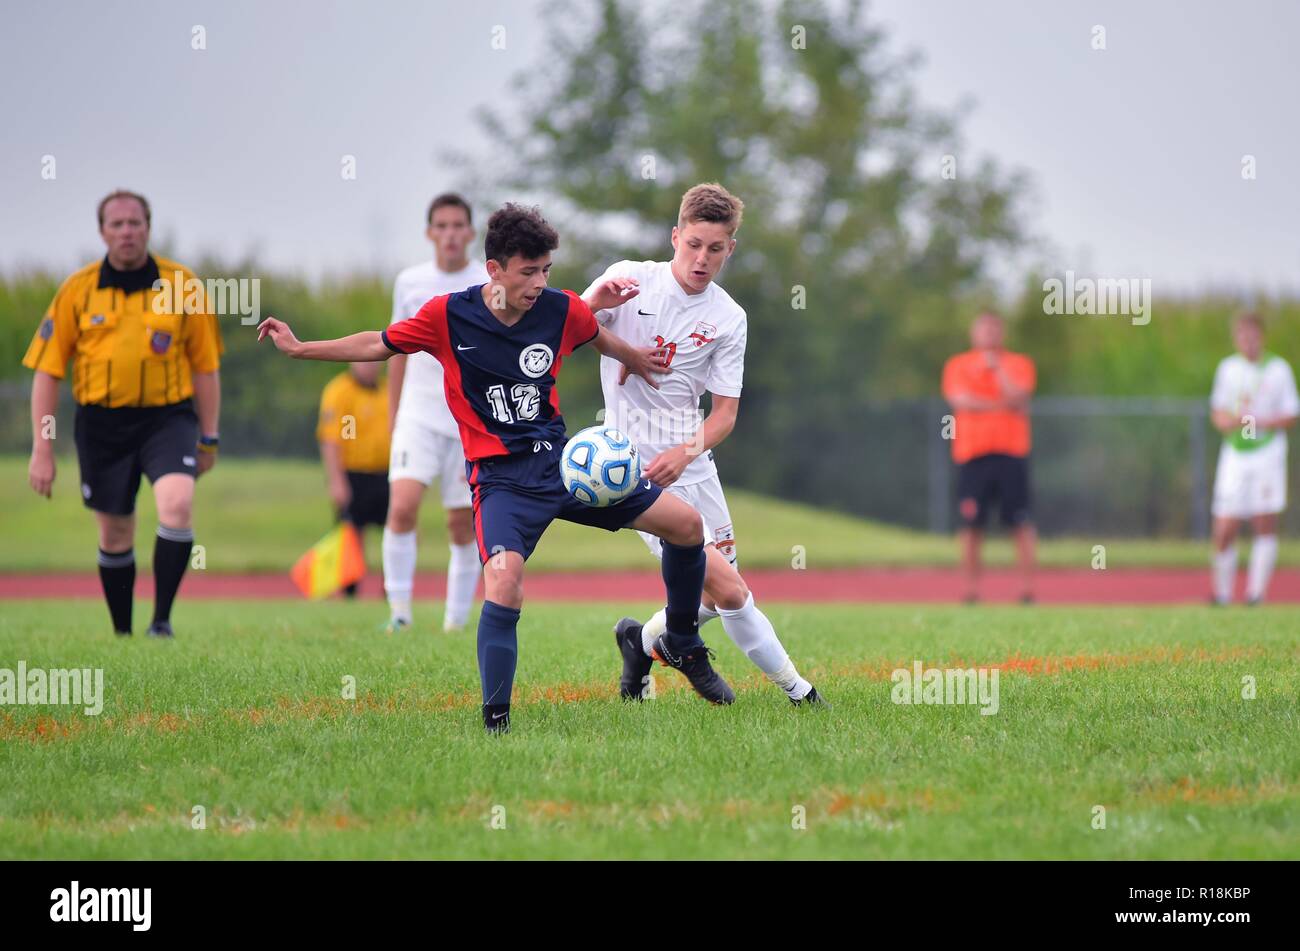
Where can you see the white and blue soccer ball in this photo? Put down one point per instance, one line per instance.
(600, 466)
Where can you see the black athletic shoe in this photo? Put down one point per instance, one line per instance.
(811, 699)
(635, 682)
(161, 629)
(122, 633)
(496, 718)
(694, 663)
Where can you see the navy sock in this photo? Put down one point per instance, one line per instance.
(683, 570)
(497, 652)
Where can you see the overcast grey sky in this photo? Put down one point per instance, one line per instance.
(1135, 151)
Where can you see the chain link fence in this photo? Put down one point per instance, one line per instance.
(1114, 466)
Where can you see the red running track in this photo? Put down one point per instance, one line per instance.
(850, 585)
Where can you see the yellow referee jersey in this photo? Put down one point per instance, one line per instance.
(129, 344)
(356, 418)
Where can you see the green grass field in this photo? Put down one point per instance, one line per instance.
(1136, 710)
(260, 515)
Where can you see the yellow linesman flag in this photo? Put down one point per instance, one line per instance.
(334, 562)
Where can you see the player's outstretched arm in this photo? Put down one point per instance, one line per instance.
(645, 362)
(363, 347)
(611, 293)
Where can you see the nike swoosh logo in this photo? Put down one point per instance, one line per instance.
(459, 347)
(648, 484)
(498, 716)
(643, 313)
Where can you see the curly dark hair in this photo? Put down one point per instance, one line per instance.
(516, 229)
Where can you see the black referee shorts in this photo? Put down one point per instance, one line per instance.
(997, 479)
(369, 504)
(116, 446)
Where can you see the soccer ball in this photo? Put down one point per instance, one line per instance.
(599, 466)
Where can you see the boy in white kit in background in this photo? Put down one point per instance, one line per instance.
(1254, 403)
(426, 441)
(679, 307)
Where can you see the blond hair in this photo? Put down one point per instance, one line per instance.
(711, 202)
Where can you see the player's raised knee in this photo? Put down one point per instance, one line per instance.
(503, 579)
(730, 594)
(687, 529)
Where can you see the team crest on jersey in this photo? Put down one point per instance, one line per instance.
(536, 359)
(704, 333)
(96, 320)
(47, 328)
(160, 341)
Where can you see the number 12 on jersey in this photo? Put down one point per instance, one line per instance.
(526, 397)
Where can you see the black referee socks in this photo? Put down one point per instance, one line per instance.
(171, 556)
(117, 576)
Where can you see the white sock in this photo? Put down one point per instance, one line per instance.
(462, 579)
(1225, 573)
(657, 624)
(1263, 556)
(651, 630)
(753, 633)
(399, 572)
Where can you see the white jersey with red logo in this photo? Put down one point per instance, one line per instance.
(705, 334)
(423, 401)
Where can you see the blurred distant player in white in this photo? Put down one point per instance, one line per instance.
(1253, 404)
(679, 306)
(426, 441)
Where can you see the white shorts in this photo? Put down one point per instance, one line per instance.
(421, 454)
(1251, 483)
(706, 497)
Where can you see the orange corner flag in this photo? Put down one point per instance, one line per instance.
(334, 562)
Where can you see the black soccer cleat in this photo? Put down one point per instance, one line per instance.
(635, 682)
(708, 683)
(161, 629)
(811, 699)
(496, 718)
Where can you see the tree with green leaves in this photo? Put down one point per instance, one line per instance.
(864, 225)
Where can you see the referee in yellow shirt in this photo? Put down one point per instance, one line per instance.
(353, 436)
(148, 394)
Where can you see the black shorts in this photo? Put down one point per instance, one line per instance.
(517, 496)
(369, 503)
(985, 480)
(116, 446)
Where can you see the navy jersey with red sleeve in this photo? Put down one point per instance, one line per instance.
(499, 380)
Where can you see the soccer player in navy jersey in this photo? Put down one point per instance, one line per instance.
(501, 345)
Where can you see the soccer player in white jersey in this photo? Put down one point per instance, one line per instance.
(680, 307)
(426, 441)
(1253, 404)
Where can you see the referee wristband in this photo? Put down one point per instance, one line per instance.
(208, 443)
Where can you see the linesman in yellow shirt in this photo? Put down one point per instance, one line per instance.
(354, 442)
(145, 357)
